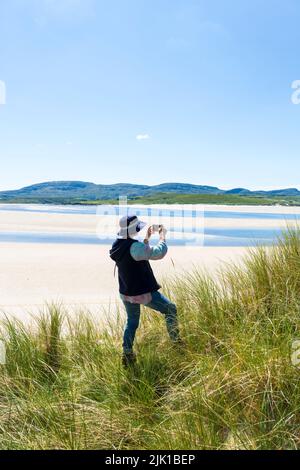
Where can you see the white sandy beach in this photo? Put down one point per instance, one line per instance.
(82, 275)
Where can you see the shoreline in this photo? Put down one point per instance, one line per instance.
(208, 206)
(132, 202)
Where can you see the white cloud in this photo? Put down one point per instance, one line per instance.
(142, 137)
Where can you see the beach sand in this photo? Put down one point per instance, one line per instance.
(83, 275)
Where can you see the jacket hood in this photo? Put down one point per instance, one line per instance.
(119, 248)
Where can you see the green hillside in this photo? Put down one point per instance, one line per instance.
(164, 198)
(79, 192)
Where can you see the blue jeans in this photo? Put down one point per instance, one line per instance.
(161, 304)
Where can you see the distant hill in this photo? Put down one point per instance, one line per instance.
(81, 190)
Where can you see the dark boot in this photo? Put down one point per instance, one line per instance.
(128, 359)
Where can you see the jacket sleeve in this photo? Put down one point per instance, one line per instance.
(144, 252)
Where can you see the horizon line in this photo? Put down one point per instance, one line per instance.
(221, 187)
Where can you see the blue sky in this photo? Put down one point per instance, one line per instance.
(150, 91)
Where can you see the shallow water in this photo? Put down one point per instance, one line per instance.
(153, 211)
(237, 236)
(211, 237)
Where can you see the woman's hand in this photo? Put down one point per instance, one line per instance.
(162, 232)
(149, 234)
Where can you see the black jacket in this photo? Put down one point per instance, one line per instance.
(135, 277)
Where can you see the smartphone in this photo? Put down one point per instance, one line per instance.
(156, 227)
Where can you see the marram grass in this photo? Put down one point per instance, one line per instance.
(233, 387)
